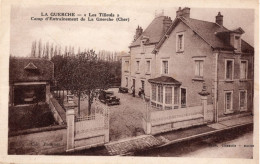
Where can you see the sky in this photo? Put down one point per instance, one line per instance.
(111, 36)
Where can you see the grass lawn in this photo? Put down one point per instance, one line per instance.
(31, 116)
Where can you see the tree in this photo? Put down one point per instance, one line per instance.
(47, 51)
(66, 51)
(79, 50)
(40, 48)
(72, 51)
(88, 75)
(51, 51)
(59, 53)
(55, 52)
(83, 74)
(43, 52)
(33, 50)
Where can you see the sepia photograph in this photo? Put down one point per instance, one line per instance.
(136, 81)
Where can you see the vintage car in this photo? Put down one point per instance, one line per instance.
(123, 90)
(108, 97)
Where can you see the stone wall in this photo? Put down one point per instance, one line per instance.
(58, 112)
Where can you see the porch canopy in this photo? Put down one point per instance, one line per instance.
(166, 80)
(165, 92)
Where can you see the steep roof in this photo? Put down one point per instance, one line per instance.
(154, 32)
(30, 69)
(208, 32)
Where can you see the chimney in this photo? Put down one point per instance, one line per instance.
(138, 32)
(178, 12)
(166, 23)
(186, 12)
(219, 19)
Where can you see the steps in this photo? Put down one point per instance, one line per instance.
(128, 146)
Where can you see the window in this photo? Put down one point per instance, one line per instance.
(160, 94)
(183, 97)
(137, 66)
(164, 67)
(228, 102)
(243, 100)
(154, 92)
(229, 69)
(176, 95)
(168, 95)
(148, 66)
(126, 80)
(199, 68)
(180, 42)
(142, 82)
(126, 66)
(243, 69)
(237, 43)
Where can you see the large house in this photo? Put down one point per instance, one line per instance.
(29, 80)
(172, 59)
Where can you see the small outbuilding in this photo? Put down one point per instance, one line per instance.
(29, 80)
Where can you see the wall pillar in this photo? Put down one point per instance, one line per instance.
(70, 116)
(204, 100)
(147, 118)
(204, 104)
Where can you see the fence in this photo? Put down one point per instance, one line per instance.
(156, 120)
(165, 120)
(88, 131)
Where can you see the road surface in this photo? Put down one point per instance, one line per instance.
(237, 143)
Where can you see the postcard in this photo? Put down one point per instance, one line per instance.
(129, 81)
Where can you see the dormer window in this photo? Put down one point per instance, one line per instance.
(237, 42)
(31, 69)
(144, 40)
(30, 66)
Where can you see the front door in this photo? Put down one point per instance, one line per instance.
(183, 97)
